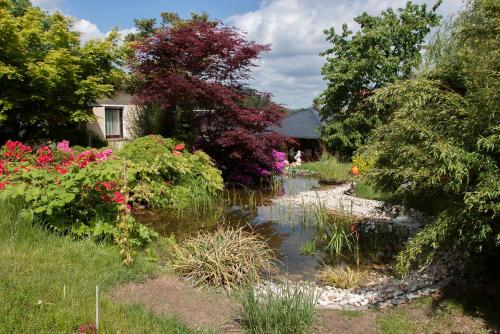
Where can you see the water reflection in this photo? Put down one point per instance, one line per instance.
(285, 227)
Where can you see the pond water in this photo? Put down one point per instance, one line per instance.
(285, 227)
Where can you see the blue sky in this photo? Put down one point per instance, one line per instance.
(109, 13)
(291, 71)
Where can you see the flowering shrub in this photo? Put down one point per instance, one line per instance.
(280, 162)
(69, 192)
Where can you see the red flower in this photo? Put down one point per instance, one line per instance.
(60, 170)
(179, 147)
(44, 155)
(118, 197)
(108, 185)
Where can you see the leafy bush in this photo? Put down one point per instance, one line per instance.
(285, 309)
(343, 277)
(162, 174)
(224, 258)
(70, 192)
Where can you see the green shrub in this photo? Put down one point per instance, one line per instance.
(440, 152)
(224, 258)
(162, 174)
(285, 309)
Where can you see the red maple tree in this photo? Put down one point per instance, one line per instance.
(194, 72)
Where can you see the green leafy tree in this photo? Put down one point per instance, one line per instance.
(386, 48)
(440, 153)
(48, 79)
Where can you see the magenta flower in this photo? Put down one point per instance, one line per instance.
(63, 146)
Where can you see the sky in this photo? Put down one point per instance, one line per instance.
(291, 71)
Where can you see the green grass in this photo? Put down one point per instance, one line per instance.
(37, 265)
(365, 190)
(285, 310)
(397, 322)
(350, 314)
(329, 169)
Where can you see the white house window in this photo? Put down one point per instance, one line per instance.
(114, 122)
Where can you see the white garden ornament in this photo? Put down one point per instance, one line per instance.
(298, 160)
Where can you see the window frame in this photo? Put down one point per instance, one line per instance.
(120, 113)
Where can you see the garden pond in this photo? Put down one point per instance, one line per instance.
(295, 232)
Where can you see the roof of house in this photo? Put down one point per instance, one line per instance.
(119, 98)
(301, 123)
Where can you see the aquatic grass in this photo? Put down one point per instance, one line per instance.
(282, 309)
(47, 282)
(226, 258)
(343, 277)
(329, 169)
(308, 247)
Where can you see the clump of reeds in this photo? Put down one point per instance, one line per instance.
(225, 258)
(282, 309)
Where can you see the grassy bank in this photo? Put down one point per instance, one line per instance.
(47, 283)
(328, 169)
(365, 190)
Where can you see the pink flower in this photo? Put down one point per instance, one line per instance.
(104, 155)
(180, 147)
(177, 153)
(63, 146)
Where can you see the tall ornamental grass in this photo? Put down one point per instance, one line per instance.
(225, 258)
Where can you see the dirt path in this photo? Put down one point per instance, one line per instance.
(169, 295)
(202, 309)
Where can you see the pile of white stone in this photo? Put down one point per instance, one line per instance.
(385, 290)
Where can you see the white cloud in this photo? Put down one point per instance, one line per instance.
(294, 28)
(88, 30)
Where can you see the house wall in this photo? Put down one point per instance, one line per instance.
(99, 127)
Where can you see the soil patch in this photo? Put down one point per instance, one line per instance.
(172, 296)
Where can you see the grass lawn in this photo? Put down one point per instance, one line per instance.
(328, 169)
(367, 191)
(35, 266)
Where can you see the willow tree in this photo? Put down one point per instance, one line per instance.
(440, 153)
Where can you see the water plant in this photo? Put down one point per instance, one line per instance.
(225, 258)
(308, 247)
(342, 276)
(280, 309)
